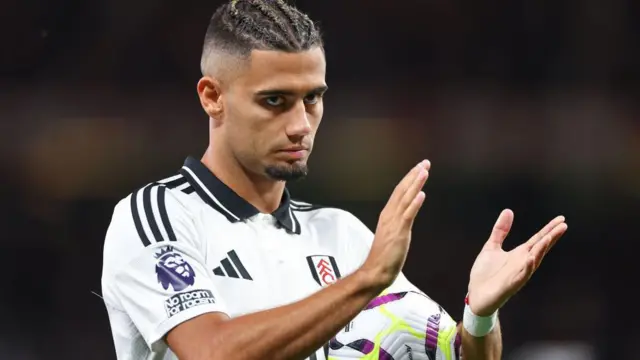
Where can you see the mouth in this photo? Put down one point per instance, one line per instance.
(296, 152)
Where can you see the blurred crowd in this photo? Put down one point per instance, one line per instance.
(530, 105)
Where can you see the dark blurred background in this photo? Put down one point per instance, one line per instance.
(527, 104)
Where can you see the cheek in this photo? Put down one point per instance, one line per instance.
(239, 122)
(235, 110)
(315, 118)
(250, 133)
(317, 113)
(246, 116)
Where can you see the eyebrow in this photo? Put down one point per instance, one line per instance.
(276, 92)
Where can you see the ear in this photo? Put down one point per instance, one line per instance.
(210, 93)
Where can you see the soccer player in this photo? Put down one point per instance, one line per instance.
(218, 262)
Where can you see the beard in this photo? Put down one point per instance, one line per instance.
(289, 172)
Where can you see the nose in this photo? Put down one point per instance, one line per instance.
(299, 124)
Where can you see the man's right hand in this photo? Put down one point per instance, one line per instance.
(393, 233)
(296, 330)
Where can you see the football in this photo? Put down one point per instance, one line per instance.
(405, 325)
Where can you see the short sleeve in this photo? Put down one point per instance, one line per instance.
(157, 270)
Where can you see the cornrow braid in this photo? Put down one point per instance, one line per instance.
(309, 28)
(292, 16)
(241, 26)
(282, 24)
(255, 32)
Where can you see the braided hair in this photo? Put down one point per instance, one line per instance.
(240, 26)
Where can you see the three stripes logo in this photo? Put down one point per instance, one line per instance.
(149, 209)
(324, 269)
(150, 216)
(232, 267)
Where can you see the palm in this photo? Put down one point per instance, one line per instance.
(497, 275)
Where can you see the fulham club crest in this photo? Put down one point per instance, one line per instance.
(324, 269)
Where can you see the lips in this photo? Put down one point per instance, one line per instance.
(294, 149)
(297, 152)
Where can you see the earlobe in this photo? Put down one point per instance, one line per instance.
(210, 97)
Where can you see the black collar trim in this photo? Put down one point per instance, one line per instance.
(224, 200)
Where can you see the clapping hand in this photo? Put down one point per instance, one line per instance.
(497, 275)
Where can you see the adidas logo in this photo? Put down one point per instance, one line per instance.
(232, 267)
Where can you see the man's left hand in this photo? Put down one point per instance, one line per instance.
(497, 275)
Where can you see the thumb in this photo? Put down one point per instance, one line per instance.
(500, 230)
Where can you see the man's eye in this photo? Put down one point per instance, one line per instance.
(274, 101)
(311, 99)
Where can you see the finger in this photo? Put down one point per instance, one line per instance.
(556, 238)
(538, 252)
(426, 164)
(500, 230)
(402, 186)
(525, 272)
(411, 211)
(414, 188)
(544, 231)
(551, 225)
(542, 247)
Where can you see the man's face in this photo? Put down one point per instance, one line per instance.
(272, 111)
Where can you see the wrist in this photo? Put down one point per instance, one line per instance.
(371, 281)
(477, 325)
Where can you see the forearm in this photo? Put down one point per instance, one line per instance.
(295, 331)
(488, 347)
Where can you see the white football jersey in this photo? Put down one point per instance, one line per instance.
(189, 245)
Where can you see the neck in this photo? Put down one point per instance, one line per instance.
(261, 192)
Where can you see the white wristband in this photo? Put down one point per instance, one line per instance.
(478, 326)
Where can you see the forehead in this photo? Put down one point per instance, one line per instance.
(280, 70)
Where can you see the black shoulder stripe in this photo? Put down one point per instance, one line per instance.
(306, 208)
(175, 183)
(164, 216)
(188, 190)
(146, 203)
(136, 219)
(147, 215)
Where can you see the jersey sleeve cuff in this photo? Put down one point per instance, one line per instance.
(156, 340)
